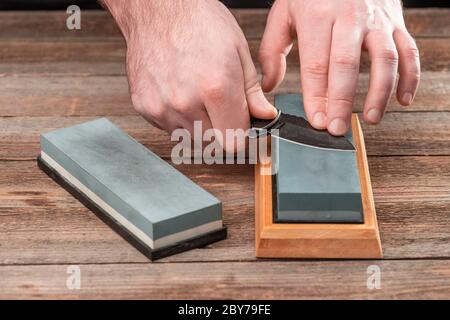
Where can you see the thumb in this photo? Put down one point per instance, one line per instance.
(258, 105)
(275, 46)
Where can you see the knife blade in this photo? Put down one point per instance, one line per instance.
(298, 130)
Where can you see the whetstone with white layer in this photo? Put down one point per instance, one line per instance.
(148, 202)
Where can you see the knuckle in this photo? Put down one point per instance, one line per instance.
(252, 86)
(265, 53)
(342, 101)
(136, 100)
(346, 62)
(252, 90)
(181, 106)
(316, 101)
(215, 91)
(389, 56)
(156, 112)
(316, 69)
(412, 53)
(413, 76)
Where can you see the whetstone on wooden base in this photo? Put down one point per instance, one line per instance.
(317, 240)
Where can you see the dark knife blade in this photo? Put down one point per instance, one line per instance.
(297, 129)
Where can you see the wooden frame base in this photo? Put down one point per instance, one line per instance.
(303, 240)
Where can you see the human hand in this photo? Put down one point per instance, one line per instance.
(188, 61)
(331, 35)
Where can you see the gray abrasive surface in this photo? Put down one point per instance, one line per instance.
(141, 187)
(313, 184)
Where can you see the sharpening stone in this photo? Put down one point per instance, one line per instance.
(143, 198)
(313, 184)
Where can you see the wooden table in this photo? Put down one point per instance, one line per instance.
(51, 77)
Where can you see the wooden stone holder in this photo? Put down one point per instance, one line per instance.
(317, 240)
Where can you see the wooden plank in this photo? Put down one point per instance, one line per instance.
(41, 223)
(25, 24)
(20, 135)
(66, 96)
(435, 55)
(429, 22)
(108, 96)
(247, 280)
(46, 225)
(409, 134)
(400, 133)
(52, 24)
(62, 50)
(72, 68)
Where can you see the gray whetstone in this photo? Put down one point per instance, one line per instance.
(143, 188)
(313, 184)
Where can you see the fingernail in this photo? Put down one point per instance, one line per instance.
(374, 115)
(407, 98)
(319, 120)
(274, 112)
(337, 127)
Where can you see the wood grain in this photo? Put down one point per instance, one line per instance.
(51, 78)
(41, 223)
(400, 133)
(420, 22)
(108, 95)
(268, 280)
(66, 55)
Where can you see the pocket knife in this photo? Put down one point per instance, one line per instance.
(298, 130)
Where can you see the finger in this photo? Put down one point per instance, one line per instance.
(275, 46)
(409, 67)
(258, 105)
(383, 74)
(147, 101)
(225, 102)
(188, 114)
(149, 120)
(315, 59)
(197, 125)
(153, 110)
(343, 76)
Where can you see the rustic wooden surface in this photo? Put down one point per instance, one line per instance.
(51, 77)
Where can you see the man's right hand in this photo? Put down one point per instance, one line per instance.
(188, 61)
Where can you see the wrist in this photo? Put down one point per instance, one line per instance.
(121, 11)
